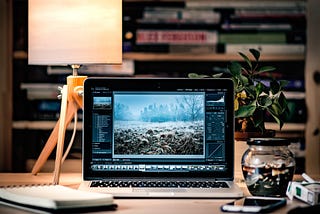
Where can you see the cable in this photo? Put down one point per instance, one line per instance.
(72, 137)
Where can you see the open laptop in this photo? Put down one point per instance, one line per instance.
(159, 137)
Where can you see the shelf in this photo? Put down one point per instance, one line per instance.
(204, 57)
(187, 57)
(20, 55)
(40, 125)
(287, 126)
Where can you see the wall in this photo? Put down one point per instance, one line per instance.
(312, 89)
(5, 85)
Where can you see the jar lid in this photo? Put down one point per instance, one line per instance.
(268, 141)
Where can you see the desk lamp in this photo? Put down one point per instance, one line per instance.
(73, 33)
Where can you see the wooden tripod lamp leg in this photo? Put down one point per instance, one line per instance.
(61, 134)
(70, 103)
(72, 107)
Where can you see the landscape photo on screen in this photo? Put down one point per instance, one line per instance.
(167, 124)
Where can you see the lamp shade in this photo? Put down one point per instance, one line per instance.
(66, 32)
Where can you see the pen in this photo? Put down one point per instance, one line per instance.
(308, 178)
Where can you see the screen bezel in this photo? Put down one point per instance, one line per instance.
(156, 84)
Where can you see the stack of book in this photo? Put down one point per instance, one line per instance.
(181, 30)
(274, 31)
(273, 27)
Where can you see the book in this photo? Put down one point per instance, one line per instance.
(292, 13)
(267, 48)
(38, 91)
(183, 15)
(257, 26)
(53, 197)
(245, 4)
(172, 48)
(176, 37)
(259, 38)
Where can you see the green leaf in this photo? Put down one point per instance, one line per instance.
(274, 86)
(195, 75)
(278, 119)
(245, 111)
(283, 103)
(278, 115)
(243, 80)
(263, 87)
(235, 69)
(258, 119)
(283, 83)
(251, 91)
(266, 69)
(255, 53)
(246, 59)
(265, 101)
(259, 88)
(276, 109)
(236, 84)
(275, 116)
(217, 75)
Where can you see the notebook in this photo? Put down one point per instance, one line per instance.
(159, 137)
(54, 198)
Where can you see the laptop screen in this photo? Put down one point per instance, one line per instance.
(158, 127)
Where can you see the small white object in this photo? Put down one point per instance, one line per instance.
(308, 178)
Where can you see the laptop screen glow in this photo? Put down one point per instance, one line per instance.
(163, 130)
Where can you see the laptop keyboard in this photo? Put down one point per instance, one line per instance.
(161, 184)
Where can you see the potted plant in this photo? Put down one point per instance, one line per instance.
(256, 98)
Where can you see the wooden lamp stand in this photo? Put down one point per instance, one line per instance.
(71, 102)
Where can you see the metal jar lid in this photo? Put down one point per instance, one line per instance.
(268, 141)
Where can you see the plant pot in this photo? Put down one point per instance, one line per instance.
(268, 166)
(241, 146)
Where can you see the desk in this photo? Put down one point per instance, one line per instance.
(127, 206)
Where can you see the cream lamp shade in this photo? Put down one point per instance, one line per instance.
(72, 32)
(75, 32)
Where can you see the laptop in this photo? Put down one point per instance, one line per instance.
(159, 137)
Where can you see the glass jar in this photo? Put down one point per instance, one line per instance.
(267, 166)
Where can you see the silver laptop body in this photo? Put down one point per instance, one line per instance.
(159, 137)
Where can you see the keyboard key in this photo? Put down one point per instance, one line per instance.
(161, 184)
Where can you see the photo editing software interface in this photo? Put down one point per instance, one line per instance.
(159, 131)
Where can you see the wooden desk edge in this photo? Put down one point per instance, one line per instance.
(73, 180)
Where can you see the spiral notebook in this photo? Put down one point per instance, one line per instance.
(54, 198)
(159, 137)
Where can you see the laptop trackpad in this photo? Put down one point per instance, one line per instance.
(159, 192)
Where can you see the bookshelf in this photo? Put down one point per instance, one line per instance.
(146, 63)
(205, 57)
(5, 85)
(187, 57)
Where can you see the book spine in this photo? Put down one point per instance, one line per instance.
(167, 15)
(267, 48)
(172, 48)
(245, 4)
(154, 13)
(153, 37)
(260, 38)
(256, 27)
(266, 12)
